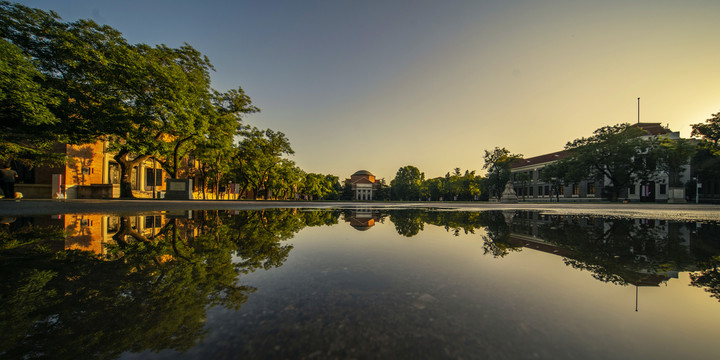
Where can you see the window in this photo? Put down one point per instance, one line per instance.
(591, 188)
(153, 221)
(663, 189)
(113, 173)
(530, 191)
(576, 189)
(113, 224)
(632, 189)
(134, 178)
(547, 189)
(153, 176)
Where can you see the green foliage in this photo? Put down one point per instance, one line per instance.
(618, 153)
(708, 131)
(407, 184)
(89, 84)
(705, 161)
(259, 153)
(673, 154)
(147, 293)
(498, 163)
(27, 123)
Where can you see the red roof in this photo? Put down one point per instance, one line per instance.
(653, 128)
(541, 159)
(650, 128)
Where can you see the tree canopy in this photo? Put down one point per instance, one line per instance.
(407, 184)
(618, 153)
(498, 163)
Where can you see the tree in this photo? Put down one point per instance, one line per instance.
(27, 130)
(259, 152)
(498, 163)
(523, 178)
(435, 188)
(407, 183)
(709, 131)
(561, 173)
(673, 155)
(383, 191)
(706, 160)
(171, 101)
(215, 149)
(144, 101)
(617, 153)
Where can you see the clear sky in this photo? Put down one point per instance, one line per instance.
(377, 85)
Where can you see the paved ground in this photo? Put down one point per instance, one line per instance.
(701, 212)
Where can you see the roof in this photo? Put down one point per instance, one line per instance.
(650, 128)
(363, 181)
(653, 128)
(363, 172)
(541, 159)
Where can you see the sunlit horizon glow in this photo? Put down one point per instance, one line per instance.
(378, 85)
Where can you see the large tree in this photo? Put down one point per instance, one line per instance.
(706, 160)
(618, 153)
(145, 101)
(27, 122)
(498, 163)
(708, 131)
(87, 67)
(259, 152)
(673, 155)
(407, 184)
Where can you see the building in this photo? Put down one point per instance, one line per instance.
(89, 173)
(363, 185)
(533, 188)
(362, 219)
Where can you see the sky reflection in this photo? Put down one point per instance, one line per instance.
(290, 283)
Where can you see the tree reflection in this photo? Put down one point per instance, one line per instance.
(408, 223)
(639, 252)
(148, 292)
(706, 248)
(496, 236)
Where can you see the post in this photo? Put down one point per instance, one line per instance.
(638, 110)
(697, 189)
(154, 179)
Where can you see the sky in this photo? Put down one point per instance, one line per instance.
(378, 85)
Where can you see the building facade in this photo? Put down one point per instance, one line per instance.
(90, 172)
(363, 185)
(531, 187)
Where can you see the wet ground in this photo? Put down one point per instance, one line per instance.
(149, 280)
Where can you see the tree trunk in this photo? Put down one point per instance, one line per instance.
(126, 167)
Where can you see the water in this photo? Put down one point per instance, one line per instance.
(363, 283)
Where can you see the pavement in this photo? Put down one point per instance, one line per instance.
(688, 212)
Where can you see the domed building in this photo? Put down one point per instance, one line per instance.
(363, 185)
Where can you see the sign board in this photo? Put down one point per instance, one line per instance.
(176, 186)
(178, 189)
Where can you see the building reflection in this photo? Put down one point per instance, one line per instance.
(93, 232)
(640, 252)
(362, 219)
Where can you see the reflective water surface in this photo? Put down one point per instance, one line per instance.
(378, 283)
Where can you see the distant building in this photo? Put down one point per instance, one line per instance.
(654, 190)
(363, 185)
